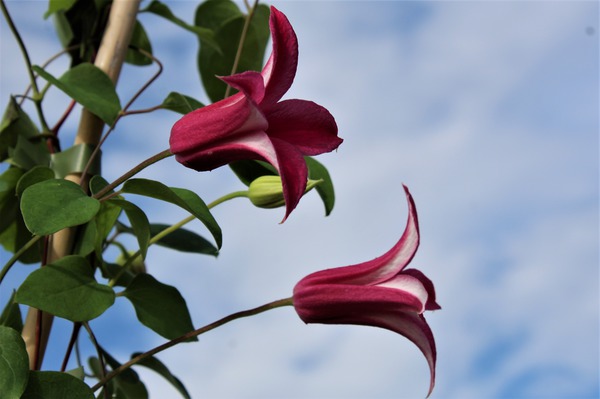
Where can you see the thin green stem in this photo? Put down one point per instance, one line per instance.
(238, 54)
(170, 229)
(25, 54)
(185, 337)
(143, 165)
(17, 255)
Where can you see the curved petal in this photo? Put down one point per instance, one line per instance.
(384, 267)
(407, 283)
(280, 69)
(342, 304)
(254, 145)
(215, 125)
(428, 284)
(250, 83)
(304, 124)
(415, 328)
(293, 171)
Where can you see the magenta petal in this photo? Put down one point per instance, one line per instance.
(196, 136)
(280, 69)
(431, 302)
(250, 83)
(306, 125)
(415, 328)
(293, 172)
(379, 293)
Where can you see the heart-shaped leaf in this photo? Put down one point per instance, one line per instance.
(67, 289)
(52, 205)
(89, 86)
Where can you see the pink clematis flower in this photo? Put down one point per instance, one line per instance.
(379, 293)
(254, 124)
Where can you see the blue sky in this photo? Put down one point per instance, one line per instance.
(487, 110)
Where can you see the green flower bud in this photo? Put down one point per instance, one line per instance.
(267, 191)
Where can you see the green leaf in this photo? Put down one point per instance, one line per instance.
(14, 364)
(154, 364)
(58, 5)
(111, 270)
(317, 171)
(11, 315)
(159, 307)
(248, 170)
(206, 36)
(16, 236)
(180, 103)
(52, 205)
(139, 40)
(183, 198)
(126, 385)
(74, 160)
(89, 86)
(9, 202)
(67, 289)
(139, 222)
(33, 176)
(56, 385)
(105, 222)
(15, 123)
(227, 22)
(29, 152)
(180, 240)
(85, 240)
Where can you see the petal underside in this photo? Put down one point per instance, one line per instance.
(280, 69)
(304, 124)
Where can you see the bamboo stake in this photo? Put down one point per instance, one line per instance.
(110, 58)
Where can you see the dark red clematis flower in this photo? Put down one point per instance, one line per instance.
(254, 124)
(379, 293)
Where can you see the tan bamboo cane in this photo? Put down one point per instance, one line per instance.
(110, 58)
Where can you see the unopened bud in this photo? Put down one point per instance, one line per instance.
(267, 191)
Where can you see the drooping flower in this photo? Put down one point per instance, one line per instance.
(254, 124)
(379, 293)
